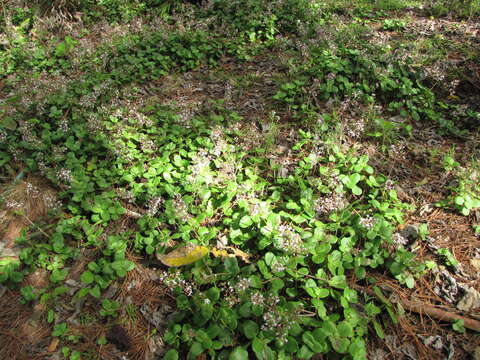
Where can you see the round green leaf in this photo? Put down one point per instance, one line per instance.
(213, 294)
(195, 350)
(171, 354)
(245, 221)
(238, 353)
(250, 329)
(87, 277)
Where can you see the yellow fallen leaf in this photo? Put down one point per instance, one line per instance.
(183, 255)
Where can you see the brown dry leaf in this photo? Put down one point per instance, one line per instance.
(234, 253)
(220, 252)
(475, 263)
(53, 345)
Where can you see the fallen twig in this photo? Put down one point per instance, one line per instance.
(438, 314)
(133, 214)
(432, 311)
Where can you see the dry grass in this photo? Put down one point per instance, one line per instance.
(22, 203)
(21, 336)
(63, 9)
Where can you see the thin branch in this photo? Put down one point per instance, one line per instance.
(426, 309)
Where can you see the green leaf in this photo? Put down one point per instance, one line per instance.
(350, 295)
(356, 191)
(58, 275)
(245, 221)
(95, 291)
(345, 329)
(357, 349)
(250, 329)
(61, 49)
(276, 285)
(87, 277)
(378, 329)
(262, 350)
(292, 345)
(59, 329)
(171, 354)
(340, 344)
(76, 355)
(338, 281)
(213, 294)
(314, 291)
(312, 343)
(202, 316)
(459, 326)
(320, 307)
(354, 179)
(27, 293)
(195, 350)
(238, 353)
(231, 265)
(371, 309)
(228, 317)
(270, 259)
(305, 353)
(50, 316)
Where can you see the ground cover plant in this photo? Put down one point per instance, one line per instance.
(239, 179)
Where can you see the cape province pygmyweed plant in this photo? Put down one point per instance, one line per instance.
(309, 233)
(315, 224)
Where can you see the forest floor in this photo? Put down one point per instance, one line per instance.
(245, 144)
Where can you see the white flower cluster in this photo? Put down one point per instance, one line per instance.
(94, 124)
(13, 204)
(65, 175)
(32, 191)
(3, 136)
(399, 240)
(367, 222)
(63, 124)
(389, 185)
(259, 208)
(90, 100)
(278, 321)
(126, 195)
(325, 205)
(278, 266)
(153, 205)
(354, 129)
(398, 150)
(181, 209)
(243, 284)
(217, 138)
(257, 299)
(27, 130)
(289, 240)
(175, 280)
(50, 201)
(230, 295)
(58, 152)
